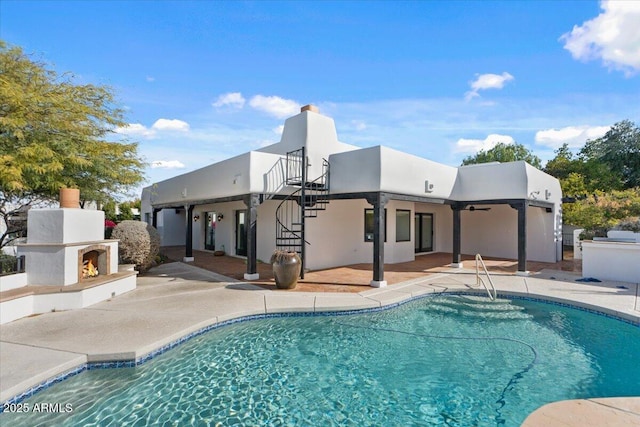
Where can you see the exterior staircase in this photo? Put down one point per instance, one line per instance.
(307, 201)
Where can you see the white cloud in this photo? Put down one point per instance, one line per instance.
(612, 36)
(474, 145)
(171, 125)
(358, 124)
(275, 106)
(231, 99)
(487, 81)
(167, 164)
(161, 125)
(151, 79)
(135, 129)
(575, 136)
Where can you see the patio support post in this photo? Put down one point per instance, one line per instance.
(457, 235)
(379, 201)
(188, 254)
(252, 201)
(521, 207)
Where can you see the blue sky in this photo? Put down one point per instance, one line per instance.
(204, 81)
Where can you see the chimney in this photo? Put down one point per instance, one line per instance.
(309, 107)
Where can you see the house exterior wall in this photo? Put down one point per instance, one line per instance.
(337, 234)
(495, 233)
(172, 227)
(384, 169)
(490, 233)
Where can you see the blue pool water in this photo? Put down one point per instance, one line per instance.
(438, 361)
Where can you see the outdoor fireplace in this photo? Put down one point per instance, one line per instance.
(66, 246)
(93, 261)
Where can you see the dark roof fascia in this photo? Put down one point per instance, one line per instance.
(392, 196)
(181, 205)
(533, 203)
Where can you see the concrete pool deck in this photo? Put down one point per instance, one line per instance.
(176, 299)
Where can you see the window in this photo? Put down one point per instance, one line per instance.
(368, 225)
(403, 225)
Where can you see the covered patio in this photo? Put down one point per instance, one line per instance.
(357, 277)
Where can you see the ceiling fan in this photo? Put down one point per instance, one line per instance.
(473, 208)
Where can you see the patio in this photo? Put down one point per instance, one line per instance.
(356, 277)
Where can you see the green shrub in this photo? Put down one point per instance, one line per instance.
(139, 243)
(7, 263)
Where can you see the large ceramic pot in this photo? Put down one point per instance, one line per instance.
(286, 269)
(69, 198)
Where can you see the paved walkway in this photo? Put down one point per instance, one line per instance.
(176, 299)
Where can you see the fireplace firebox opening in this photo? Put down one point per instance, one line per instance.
(93, 261)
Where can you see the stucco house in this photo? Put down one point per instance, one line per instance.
(338, 204)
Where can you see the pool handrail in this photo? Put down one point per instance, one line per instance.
(479, 280)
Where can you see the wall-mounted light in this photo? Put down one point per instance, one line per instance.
(220, 216)
(547, 194)
(196, 217)
(428, 187)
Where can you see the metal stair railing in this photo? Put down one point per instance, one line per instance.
(303, 203)
(480, 281)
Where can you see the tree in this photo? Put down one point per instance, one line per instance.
(593, 174)
(618, 153)
(503, 153)
(55, 133)
(601, 211)
(563, 164)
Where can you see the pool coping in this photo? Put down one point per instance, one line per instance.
(277, 304)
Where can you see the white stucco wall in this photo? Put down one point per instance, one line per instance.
(64, 225)
(494, 233)
(611, 261)
(314, 131)
(384, 169)
(171, 226)
(488, 181)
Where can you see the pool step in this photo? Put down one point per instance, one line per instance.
(478, 307)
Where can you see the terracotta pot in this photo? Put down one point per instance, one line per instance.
(69, 198)
(286, 271)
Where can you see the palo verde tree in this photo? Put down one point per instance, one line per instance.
(55, 133)
(504, 152)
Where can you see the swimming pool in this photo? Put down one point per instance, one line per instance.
(445, 360)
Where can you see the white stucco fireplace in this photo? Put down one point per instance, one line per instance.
(68, 264)
(62, 242)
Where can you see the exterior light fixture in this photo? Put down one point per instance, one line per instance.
(428, 187)
(196, 217)
(219, 217)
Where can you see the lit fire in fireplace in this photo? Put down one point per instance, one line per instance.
(89, 270)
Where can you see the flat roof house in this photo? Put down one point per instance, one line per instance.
(338, 204)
